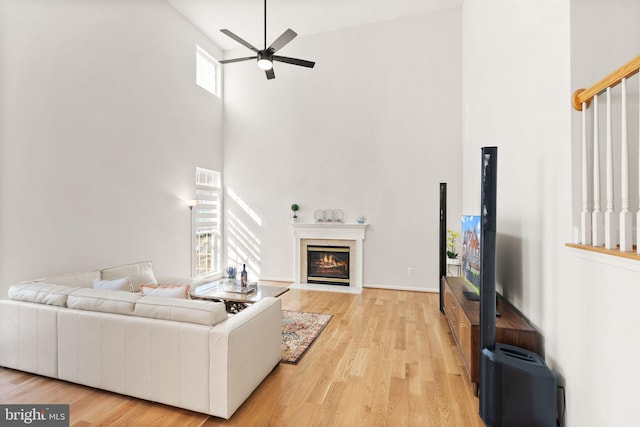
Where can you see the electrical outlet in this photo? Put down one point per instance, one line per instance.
(410, 271)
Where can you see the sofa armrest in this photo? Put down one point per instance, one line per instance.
(29, 337)
(244, 349)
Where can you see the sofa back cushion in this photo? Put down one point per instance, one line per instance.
(41, 293)
(74, 280)
(140, 273)
(106, 301)
(180, 310)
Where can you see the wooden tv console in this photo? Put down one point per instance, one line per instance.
(463, 316)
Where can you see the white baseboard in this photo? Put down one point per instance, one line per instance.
(366, 285)
(326, 288)
(276, 279)
(401, 288)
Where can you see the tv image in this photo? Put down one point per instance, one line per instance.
(471, 254)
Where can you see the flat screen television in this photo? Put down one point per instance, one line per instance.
(471, 253)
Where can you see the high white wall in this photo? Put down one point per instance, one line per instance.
(516, 80)
(101, 127)
(521, 62)
(372, 129)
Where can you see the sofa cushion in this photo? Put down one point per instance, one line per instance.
(74, 280)
(140, 273)
(166, 291)
(123, 284)
(193, 311)
(41, 293)
(118, 302)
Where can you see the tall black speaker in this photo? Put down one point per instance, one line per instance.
(488, 248)
(443, 240)
(517, 389)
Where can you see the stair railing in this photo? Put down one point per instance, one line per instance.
(599, 228)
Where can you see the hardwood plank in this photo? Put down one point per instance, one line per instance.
(385, 358)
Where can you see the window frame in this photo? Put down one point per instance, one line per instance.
(207, 223)
(205, 62)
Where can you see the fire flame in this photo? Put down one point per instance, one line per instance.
(329, 261)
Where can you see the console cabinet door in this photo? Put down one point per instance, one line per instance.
(451, 310)
(464, 338)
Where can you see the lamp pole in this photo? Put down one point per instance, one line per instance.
(191, 204)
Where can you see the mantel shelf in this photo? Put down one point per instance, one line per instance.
(302, 225)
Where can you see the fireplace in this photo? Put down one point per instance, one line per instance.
(328, 265)
(339, 235)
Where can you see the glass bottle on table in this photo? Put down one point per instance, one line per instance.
(243, 276)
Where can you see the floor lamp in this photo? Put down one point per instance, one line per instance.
(190, 205)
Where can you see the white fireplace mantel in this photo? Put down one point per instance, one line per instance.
(331, 231)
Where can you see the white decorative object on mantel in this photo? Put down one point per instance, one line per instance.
(352, 234)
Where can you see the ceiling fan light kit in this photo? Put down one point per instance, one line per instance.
(265, 57)
(264, 62)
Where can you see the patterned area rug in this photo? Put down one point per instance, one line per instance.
(299, 331)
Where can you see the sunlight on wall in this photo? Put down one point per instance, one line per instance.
(243, 246)
(244, 206)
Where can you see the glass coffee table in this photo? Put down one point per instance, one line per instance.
(235, 297)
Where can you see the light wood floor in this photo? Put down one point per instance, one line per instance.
(386, 358)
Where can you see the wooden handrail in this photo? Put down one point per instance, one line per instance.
(586, 95)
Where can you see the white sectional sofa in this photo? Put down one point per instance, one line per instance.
(185, 353)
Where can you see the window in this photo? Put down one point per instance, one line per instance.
(206, 71)
(207, 222)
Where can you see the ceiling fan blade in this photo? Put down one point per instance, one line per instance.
(294, 61)
(270, 74)
(246, 58)
(281, 41)
(239, 40)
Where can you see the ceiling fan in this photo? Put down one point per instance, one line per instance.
(266, 56)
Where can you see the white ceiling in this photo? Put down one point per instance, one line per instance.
(245, 18)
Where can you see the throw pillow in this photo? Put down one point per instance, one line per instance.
(178, 291)
(123, 284)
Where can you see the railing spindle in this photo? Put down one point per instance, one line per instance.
(586, 216)
(609, 215)
(625, 213)
(597, 219)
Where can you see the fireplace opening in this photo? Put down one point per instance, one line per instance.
(328, 265)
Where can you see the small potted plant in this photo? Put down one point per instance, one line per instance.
(452, 236)
(294, 209)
